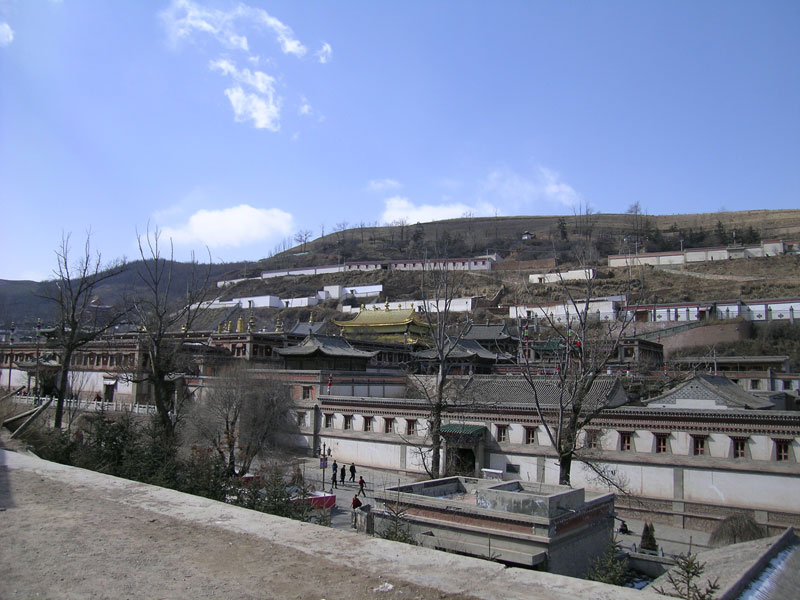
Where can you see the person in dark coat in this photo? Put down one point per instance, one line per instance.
(342, 474)
(333, 479)
(361, 484)
(353, 472)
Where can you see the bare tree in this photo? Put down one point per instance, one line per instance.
(164, 324)
(240, 414)
(302, 237)
(81, 319)
(439, 286)
(587, 343)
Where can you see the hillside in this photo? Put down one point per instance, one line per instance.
(604, 233)
(595, 235)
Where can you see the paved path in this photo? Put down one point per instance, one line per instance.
(71, 533)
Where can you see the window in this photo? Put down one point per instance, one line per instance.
(512, 468)
(698, 445)
(388, 425)
(662, 443)
(367, 423)
(592, 438)
(348, 421)
(328, 420)
(782, 450)
(411, 427)
(301, 419)
(502, 433)
(306, 392)
(755, 384)
(739, 447)
(530, 435)
(625, 441)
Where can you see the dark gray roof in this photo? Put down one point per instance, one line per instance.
(487, 332)
(328, 345)
(605, 391)
(464, 350)
(304, 328)
(721, 390)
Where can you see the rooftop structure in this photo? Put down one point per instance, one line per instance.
(548, 527)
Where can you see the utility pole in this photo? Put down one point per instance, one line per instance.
(38, 335)
(11, 352)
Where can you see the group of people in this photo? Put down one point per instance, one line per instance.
(339, 474)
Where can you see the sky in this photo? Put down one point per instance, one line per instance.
(232, 126)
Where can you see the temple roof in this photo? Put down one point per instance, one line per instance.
(487, 332)
(327, 345)
(723, 392)
(378, 318)
(464, 349)
(605, 391)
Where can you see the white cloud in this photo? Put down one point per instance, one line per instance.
(400, 208)
(6, 34)
(184, 18)
(324, 54)
(263, 108)
(264, 113)
(383, 185)
(187, 20)
(231, 227)
(544, 190)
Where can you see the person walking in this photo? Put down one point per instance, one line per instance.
(361, 484)
(335, 466)
(356, 502)
(342, 474)
(353, 472)
(333, 480)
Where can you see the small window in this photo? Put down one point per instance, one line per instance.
(592, 439)
(662, 443)
(782, 448)
(328, 420)
(512, 468)
(625, 441)
(530, 435)
(301, 419)
(411, 427)
(388, 425)
(502, 433)
(755, 384)
(739, 447)
(348, 422)
(367, 423)
(306, 392)
(699, 445)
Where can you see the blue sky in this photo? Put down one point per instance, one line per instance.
(233, 125)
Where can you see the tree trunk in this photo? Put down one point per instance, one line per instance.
(436, 423)
(62, 388)
(564, 467)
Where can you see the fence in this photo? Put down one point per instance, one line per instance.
(90, 405)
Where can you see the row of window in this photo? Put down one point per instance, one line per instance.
(699, 444)
(387, 425)
(739, 448)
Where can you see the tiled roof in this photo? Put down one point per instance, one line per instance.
(606, 391)
(464, 349)
(487, 332)
(459, 429)
(325, 344)
(373, 318)
(722, 390)
(301, 328)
